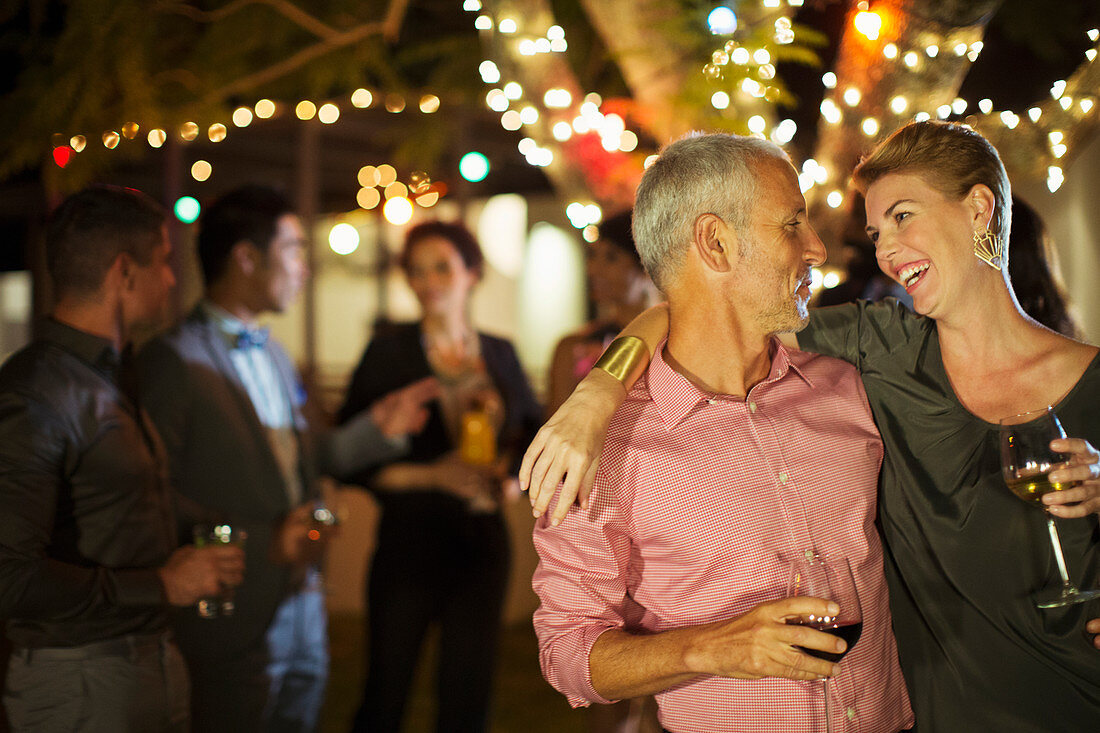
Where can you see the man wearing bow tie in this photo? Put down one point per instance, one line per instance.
(228, 402)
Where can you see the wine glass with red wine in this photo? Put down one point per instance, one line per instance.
(828, 577)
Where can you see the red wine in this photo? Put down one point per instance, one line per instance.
(849, 632)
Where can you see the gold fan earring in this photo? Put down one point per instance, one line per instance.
(988, 248)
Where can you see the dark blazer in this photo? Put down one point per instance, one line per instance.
(223, 468)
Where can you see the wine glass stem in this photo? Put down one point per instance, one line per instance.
(828, 716)
(1057, 544)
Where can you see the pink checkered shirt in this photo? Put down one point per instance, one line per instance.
(698, 499)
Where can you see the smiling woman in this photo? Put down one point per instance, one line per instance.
(938, 382)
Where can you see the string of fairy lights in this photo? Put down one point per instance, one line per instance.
(743, 67)
(922, 54)
(378, 184)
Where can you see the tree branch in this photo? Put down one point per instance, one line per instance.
(295, 62)
(287, 9)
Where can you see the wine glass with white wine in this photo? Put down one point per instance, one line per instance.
(1026, 462)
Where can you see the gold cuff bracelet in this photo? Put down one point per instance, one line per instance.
(625, 358)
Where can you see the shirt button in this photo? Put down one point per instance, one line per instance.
(752, 407)
(782, 478)
(851, 713)
(809, 554)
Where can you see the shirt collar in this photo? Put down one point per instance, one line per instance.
(675, 396)
(96, 351)
(227, 324)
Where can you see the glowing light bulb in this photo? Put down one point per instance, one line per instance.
(368, 198)
(784, 132)
(474, 167)
(899, 104)
(868, 23)
(343, 239)
(722, 21)
(720, 100)
(187, 209)
(361, 98)
(242, 117)
(1055, 178)
(429, 104)
(490, 74)
(852, 96)
(201, 170)
(398, 211)
(305, 110)
(828, 79)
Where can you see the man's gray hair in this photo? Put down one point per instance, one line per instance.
(697, 174)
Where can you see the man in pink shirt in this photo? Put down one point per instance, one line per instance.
(731, 457)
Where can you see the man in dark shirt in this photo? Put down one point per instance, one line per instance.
(88, 558)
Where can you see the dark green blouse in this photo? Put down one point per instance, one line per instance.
(963, 555)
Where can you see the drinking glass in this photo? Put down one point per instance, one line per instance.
(205, 534)
(1026, 463)
(819, 576)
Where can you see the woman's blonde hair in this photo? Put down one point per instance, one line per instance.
(950, 157)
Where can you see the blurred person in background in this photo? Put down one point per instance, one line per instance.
(230, 405)
(442, 550)
(1033, 271)
(618, 290)
(88, 554)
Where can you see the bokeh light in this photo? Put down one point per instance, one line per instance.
(187, 209)
(474, 167)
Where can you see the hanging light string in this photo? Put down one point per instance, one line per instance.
(757, 37)
(916, 70)
(587, 151)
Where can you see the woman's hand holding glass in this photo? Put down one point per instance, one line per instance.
(1082, 469)
(1033, 469)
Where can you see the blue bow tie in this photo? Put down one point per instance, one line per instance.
(252, 338)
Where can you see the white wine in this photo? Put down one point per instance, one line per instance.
(1031, 488)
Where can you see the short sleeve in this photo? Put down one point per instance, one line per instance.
(861, 331)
